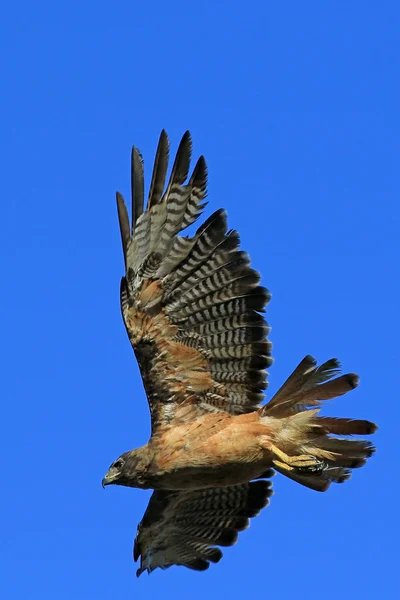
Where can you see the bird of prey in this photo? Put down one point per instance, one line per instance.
(193, 310)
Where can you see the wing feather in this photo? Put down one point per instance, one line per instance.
(137, 185)
(183, 528)
(191, 305)
(124, 226)
(159, 170)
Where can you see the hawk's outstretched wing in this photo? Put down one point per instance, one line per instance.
(191, 305)
(182, 528)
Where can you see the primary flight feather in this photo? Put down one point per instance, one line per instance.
(192, 307)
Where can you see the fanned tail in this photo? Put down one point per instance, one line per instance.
(306, 448)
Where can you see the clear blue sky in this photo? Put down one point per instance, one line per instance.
(295, 106)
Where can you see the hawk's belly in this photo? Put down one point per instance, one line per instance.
(218, 451)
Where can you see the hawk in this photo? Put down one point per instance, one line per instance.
(193, 310)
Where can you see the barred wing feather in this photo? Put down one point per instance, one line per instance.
(191, 304)
(183, 528)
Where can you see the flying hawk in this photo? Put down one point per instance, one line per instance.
(192, 307)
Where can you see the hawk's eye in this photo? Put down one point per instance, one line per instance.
(118, 464)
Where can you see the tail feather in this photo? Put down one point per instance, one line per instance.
(292, 384)
(308, 386)
(346, 426)
(330, 389)
(303, 436)
(346, 448)
(312, 481)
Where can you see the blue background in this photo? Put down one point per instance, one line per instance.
(295, 106)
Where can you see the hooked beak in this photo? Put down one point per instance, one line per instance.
(109, 478)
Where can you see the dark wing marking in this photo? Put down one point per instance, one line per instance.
(191, 305)
(184, 528)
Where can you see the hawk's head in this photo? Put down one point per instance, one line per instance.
(129, 470)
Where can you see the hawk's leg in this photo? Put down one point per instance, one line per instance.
(301, 461)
